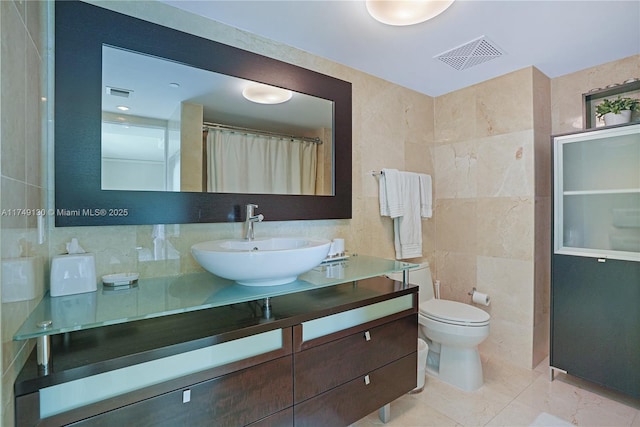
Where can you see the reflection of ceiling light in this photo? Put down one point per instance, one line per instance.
(406, 12)
(265, 94)
(174, 85)
(122, 108)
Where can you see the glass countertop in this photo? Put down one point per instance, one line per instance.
(164, 296)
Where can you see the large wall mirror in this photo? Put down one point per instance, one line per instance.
(157, 126)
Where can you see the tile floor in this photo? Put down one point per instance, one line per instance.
(513, 397)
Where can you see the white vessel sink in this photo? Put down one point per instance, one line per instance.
(261, 262)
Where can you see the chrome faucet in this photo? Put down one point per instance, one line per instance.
(251, 218)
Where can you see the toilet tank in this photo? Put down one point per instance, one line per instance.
(420, 276)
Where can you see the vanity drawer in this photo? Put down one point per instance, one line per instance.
(235, 399)
(279, 419)
(323, 367)
(349, 402)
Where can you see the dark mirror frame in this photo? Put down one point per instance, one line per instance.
(81, 30)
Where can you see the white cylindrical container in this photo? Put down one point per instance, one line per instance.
(423, 350)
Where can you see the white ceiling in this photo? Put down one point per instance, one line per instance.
(158, 87)
(557, 37)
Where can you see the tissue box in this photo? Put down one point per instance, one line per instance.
(73, 274)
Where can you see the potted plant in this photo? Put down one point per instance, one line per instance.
(617, 111)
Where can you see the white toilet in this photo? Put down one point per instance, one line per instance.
(452, 330)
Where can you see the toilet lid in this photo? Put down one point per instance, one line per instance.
(454, 312)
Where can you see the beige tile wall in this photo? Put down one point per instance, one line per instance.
(22, 171)
(542, 215)
(485, 148)
(567, 90)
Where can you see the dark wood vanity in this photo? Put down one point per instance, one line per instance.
(341, 353)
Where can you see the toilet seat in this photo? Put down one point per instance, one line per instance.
(454, 313)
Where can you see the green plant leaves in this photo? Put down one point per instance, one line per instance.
(617, 105)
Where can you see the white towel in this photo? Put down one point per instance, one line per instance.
(391, 202)
(426, 196)
(408, 227)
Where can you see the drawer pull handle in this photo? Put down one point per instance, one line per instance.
(367, 336)
(366, 380)
(186, 396)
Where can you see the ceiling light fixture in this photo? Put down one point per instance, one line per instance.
(406, 12)
(265, 94)
(122, 108)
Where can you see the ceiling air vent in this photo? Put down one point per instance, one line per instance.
(469, 54)
(123, 93)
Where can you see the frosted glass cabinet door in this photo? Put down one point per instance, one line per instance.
(597, 193)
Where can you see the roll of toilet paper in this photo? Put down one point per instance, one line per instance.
(480, 298)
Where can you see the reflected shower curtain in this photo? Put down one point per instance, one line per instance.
(246, 163)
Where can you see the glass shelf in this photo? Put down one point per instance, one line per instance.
(164, 296)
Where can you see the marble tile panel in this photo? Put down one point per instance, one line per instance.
(509, 283)
(410, 410)
(457, 272)
(34, 125)
(542, 271)
(14, 199)
(454, 116)
(541, 100)
(515, 414)
(509, 341)
(567, 90)
(428, 235)
(542, 131)
(541, 339)
(13, 315)
(466, 408)
(542, 163)
(504, 104)
(603, 392)
(13, 88)
(543, 366)
(376, 235)
(502, 376)
(505, 165)
(418, 158)
(456, 225)
(9, 376)
(505, 227)
(418, 117)
(543, 213)
(541, 292)
(36, 201)
(36, 23)
(578, 406)
(456, 170)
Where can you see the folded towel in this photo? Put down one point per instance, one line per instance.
(426, 196)
(408, 227)
(391, 202)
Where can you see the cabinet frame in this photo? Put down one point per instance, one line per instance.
(559, 193)
(594, 315)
